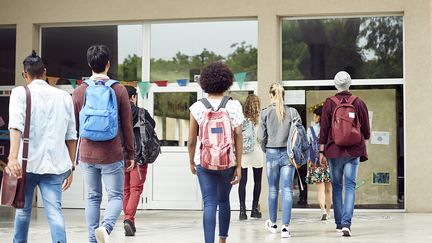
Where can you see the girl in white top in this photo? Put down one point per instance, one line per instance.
(253, 159)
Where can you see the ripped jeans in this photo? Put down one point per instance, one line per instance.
(280, 172)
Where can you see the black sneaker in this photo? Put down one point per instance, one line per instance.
(255, 213)
(346, 231)
(129, 228)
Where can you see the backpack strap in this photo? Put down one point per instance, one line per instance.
(314, 136)
(351, 99)
(206, 103)
(335, 100)
(89, 82)
(224, 101)
(111, 82)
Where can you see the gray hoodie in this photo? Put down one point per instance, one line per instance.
(271, 132)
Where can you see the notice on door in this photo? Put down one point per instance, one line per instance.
(380, 138)
(295, 97)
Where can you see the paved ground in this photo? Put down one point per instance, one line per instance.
(185, 227)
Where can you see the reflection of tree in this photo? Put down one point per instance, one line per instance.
(130, 69)
(365, 47)
(173, 105)
(242, 59)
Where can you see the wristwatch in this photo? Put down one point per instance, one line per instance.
(73, 168)
(321, 152)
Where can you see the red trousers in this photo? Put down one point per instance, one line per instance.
(133, 188)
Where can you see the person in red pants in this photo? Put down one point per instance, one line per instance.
(134, 180)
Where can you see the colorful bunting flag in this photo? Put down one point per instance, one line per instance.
(53, 80)
(79, 81)
(240, 78)
(73, 82)
(143, 87)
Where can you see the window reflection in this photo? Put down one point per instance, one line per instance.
(171, 113)
(368, 47)
(181, 50)
(7, 56)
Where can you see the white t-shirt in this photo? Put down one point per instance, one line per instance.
(233, 107)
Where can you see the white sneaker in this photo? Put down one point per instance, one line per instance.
(339, 232)
(285, 232)
(101, 235)
(271, 226)
(346, 232)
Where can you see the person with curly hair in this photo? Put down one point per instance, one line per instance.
(252, 156)
(216, 184)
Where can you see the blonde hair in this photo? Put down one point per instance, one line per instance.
(278, 92)
(252, 108)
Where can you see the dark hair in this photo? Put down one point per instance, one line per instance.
(216, 78)
(131, 91)
(318, 111)
(34, 66)
(98, 57)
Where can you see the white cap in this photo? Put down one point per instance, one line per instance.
(342, 81)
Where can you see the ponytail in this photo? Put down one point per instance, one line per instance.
(278, 92)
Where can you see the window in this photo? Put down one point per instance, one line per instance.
(181, 50)
(365, 47)
(64, 49)
(7, 55)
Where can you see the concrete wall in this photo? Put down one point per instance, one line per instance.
(29, 15)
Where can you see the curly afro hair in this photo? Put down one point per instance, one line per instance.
(216, 78)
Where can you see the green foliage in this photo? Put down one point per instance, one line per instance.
(130, 69)
(369, 47)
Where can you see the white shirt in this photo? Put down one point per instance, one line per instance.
(52, 123)
(235, 111)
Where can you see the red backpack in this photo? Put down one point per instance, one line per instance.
(217, 137)
(345, 124)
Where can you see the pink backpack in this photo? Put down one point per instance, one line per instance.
(217, 137)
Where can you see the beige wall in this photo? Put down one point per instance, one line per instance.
(29, 15)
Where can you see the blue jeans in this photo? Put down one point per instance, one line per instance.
(279, 172)
(113, 177)
(215, 190)
(340, 167)
(50, 186)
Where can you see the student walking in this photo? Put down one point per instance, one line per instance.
(105, 126)
(319, 174)
(344, 128)
(252, 157)
(134, 179)
(215, 155)
(52, 143)
(275, 124)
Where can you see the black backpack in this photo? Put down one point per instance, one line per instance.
(148, 146)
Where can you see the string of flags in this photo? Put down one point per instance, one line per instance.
(143, 86)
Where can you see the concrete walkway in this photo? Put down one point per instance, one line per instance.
(185, 227)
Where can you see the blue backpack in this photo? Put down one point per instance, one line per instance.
(314, 148)
(98, 119)
(248, 133)
(297, 144)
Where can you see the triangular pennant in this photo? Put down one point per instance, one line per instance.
(73, 82)
(53, 80)
(143, 87)
(240, 78)
(79, 81)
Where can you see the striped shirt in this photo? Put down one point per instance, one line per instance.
(233, 107)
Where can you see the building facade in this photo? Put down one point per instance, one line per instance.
(385, 45)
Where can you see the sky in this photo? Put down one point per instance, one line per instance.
(187, 37)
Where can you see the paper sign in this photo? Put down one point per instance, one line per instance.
(295, 97)
(2, 150)
(381, 138)
(351, 114)
(2, 122)
(381, 178)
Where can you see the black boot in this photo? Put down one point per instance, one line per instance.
(255, 213)
(242, 215)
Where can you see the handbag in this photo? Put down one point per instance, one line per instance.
(12, 188)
